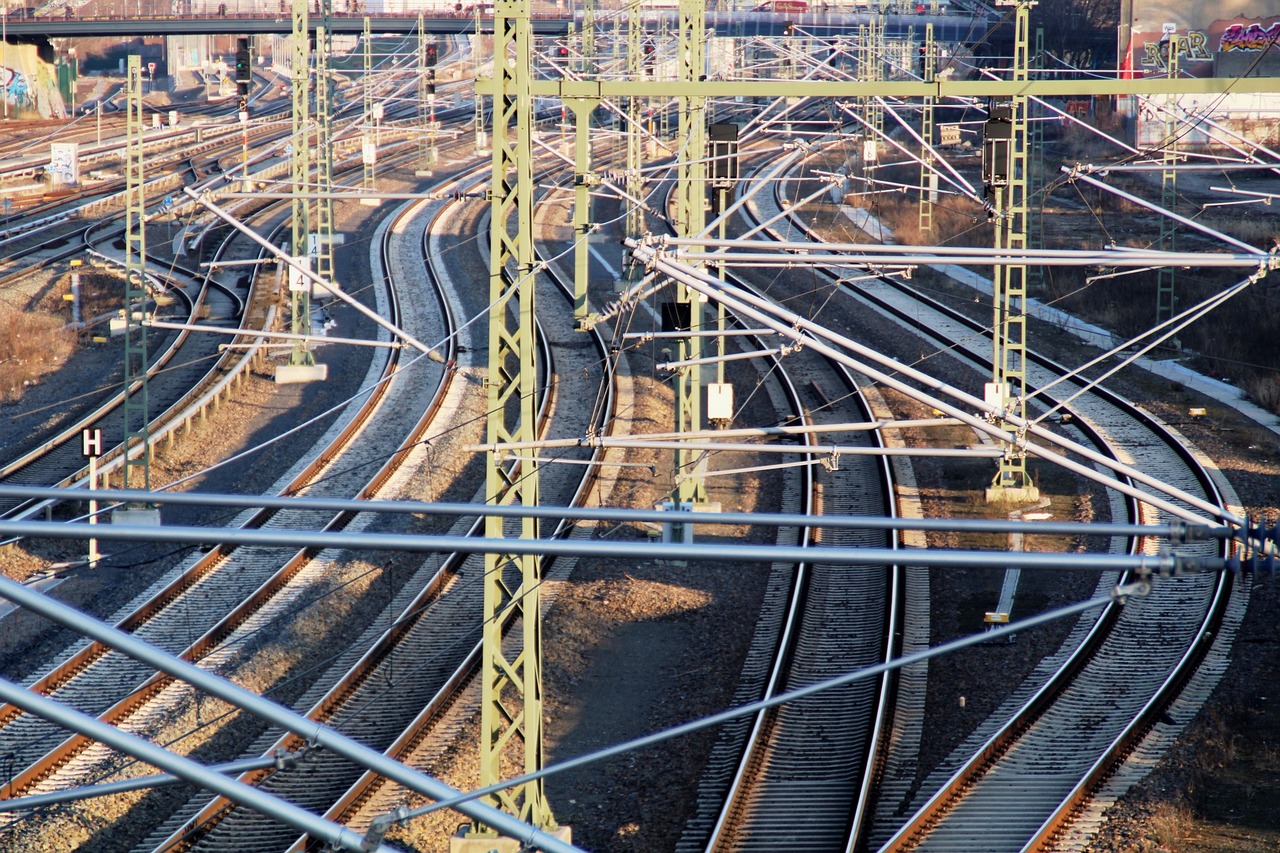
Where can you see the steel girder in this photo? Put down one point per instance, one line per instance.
(1009, 281)
(691, 219)
(300, 173)
(511, 732)
(134, 408)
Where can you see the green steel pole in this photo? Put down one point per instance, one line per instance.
(583, 181)
(136, 430)
(511, 731)
(635, 184)
(300, 169)
(928, 175)
(691, 193)
(1166, 276)
(1008, 363)
(324, 146)
(369, 143)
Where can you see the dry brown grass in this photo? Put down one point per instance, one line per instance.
(1170, 824)
(31, 346)
(956, 221)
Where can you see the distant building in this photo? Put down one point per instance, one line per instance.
(1210, 38)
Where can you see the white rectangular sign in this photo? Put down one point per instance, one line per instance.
(64, 163)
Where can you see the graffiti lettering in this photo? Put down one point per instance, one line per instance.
(1196, 46)
(13, 85)
(1252, 37)
(1191, 47)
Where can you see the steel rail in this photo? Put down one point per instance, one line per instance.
(451, 689)
(1001, 741)
(754, 748)
(187, 580)
(277, 714)
(56, 450)
(345, 691)
(323, 710)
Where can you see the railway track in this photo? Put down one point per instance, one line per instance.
(214, 827)
(178, 374)
(1111, 689)
(840, 619)
(818, 621)
(204, 647)
(419, 674)
(208, 599)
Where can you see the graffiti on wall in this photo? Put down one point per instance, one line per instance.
(1252, 37)
(1190, 47)
(14, 86)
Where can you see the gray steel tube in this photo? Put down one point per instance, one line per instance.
(314, 732)
(182, 767)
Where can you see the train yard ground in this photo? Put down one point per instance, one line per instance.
(1212, 792)
(636, 646)
(1216, 789)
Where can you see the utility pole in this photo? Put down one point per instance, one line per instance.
(583, 180)
(427, 56)
(691, 217)
(1006, 173)
(324, 145)
(589, 38)
(724, 177)
(482, 144)
(871, 70)
(637, 67)
(511, 726)
(1166, 298)
(1035, 171)
(928, 173)
(370, 141)
(4, 56)
(302, 366)
(137, 469)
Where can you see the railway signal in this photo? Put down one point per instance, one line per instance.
(997, 141)
(244, 67)
(431, 55)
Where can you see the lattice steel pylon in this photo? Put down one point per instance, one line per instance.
(511, 731)
(1166, 296)
(871, 70)
(928, 172)
(427, 152)
(1035, 171)
(1008, 388)
(300, 173)
(324, 146)
(482, 143)
(134, 409)
(691, 219)
(589, 37)
(635, 139)
(369, 144)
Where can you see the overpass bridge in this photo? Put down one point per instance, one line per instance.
(115, 20)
